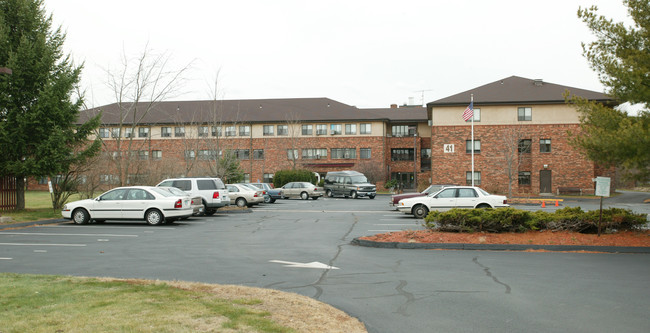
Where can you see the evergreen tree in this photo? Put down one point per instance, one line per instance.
(38, 110)
(621, 57)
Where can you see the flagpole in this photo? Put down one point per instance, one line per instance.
(472, 103)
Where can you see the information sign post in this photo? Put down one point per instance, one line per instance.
(602, 190)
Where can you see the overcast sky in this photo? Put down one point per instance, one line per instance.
(363, 53)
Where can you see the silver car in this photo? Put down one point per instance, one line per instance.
(243, 196)
(302, 190)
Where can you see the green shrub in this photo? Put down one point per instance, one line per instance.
(390, 184)
(517, 220)
(286, 176)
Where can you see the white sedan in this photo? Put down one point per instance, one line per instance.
(242, 195)
(151, 204)
(451, 197)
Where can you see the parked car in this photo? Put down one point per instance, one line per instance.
(151, 204)
(271, 194)
(348, 184)
(395, 198)
(196, 202)
(242, 195)
(212, 191)
(302, 190)
(451, 197)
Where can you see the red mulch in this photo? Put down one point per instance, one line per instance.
(623, 238)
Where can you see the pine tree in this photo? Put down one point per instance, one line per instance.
(38, 107)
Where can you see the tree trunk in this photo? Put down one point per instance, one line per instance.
(20, 193)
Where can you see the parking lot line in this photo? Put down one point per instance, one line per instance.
(32, 244)
(104, 227)
(55, 234)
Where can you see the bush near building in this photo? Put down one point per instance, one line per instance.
(286, 176)
(517, 220)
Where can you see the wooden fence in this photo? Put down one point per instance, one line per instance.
(7, 193)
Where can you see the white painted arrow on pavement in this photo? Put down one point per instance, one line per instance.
(314, 264)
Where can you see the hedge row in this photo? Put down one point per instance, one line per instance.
(286, 176)
(516, 220)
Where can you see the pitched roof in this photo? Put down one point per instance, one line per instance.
(247, 111)
(519, 90)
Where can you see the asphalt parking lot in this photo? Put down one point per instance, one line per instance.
(304, 247)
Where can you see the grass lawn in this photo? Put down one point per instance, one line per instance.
(41, 303)
(38, 206)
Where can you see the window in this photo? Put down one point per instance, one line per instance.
(344, 153)
(165, 132)
(143, 132)
(206, 154)
(425, 159)
(350, 129)
(403, 130)
(143, 154)
(128, 132)
(477, 116)
(524, 114)
(321, 129)
(104, 132)
(216, 130)
(247, 178)
(545, 145)
(243, 154)
(309, 154)
(365, 153)
(467, 193)
(307, 130)
(292, 154)
(258, 154)
(477, 146)
(477, 178)
(524, 145)
(268, 130)
(231, 131)
(190, 154)
(283, 129)
(365, 129)
(116, 132)
(524, 177)
(402, 154)
(203, 131)
(335, 129)
(267, 178)
(179, 131)
(244, 130)
(156, 154)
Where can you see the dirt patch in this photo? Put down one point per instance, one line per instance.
(624, 238)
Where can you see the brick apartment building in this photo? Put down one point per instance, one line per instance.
(521, 133)
(521, 139)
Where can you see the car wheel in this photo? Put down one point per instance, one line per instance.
(371, 196)
(80, 216)
(272, 200)
(329, 193)
(420, 211)
(241, 202)
(267, 199)
(354, 194)
(483, 205)
(154, 217)
(209, 212)
(304, 196)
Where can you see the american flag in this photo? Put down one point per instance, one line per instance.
(469, 112)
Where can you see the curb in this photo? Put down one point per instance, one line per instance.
(498, 247)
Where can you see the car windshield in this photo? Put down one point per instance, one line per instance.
(482, 191)
(166, 191)
(359, 179)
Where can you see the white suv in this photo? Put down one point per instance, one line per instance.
(212, 191)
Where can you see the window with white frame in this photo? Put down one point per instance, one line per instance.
(243, 154)
(524, 177)
(365, 153)
(307, 129)
(321, 129)
(104, 132)
(267, 178)
(350, 129)
(476, 116)
(216, 131)
(292, 154)
(143, 154)
(318, 153)
(128, 132)
(116, 132)
(179, 131)
(165, 132)
(143, 132)
(231, 130)
(190, 154)
(244, 130)
(283, 129)
(524, 114)
(204, 131)
(344, 153)
(258, 154)
(477, 146)
(365, 129)
(544, 145)
(247, 178)
(335, 129)
(402, 154)
(477, 178)
(268, 130)
(156, 154)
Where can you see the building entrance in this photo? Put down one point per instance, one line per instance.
(405, 180)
